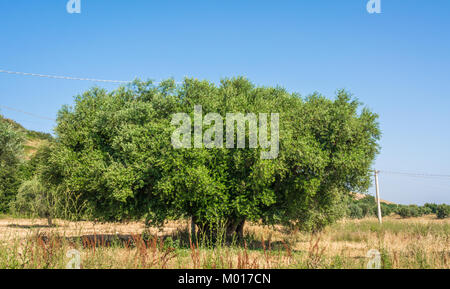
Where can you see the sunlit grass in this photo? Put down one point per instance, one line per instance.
(411, 243)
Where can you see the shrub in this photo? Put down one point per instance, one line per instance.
(425, 210)
(36, 196)
(34, 200)
(431, 207)
(443, 211)
(355, 211)
(405, 212)
(386, 209)
(409, 211)
(415, 211)
(10, 152)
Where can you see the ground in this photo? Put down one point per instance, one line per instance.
(402, 243)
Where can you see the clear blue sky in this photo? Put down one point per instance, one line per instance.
(397, 62)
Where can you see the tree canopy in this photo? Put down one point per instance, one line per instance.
(113, 155)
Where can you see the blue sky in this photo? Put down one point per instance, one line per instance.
(397, 62)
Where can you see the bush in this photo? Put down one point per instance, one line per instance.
(443, 211)
(387, 209)
(355, 211)
(431, 207)
(36, 196)
(409, 211)
(367, 207)
(405, 212)
(34, 200)
(425, 210)
(10, 152)
(415, 211)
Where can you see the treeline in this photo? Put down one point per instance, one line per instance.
(366, 207)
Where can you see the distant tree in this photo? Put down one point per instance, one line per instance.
(415, 211)
(424, 210)
(431, 207)
(404, 212)
(443, 211)
(10, 152)
(355, 211)
(387, 209)
(115, 156)
(409, 211)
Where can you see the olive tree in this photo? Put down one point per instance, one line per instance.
(115, 156)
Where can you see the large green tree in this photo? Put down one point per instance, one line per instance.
(115, 157)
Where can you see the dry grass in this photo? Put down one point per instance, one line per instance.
(411, 243)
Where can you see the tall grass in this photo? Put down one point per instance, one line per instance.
(402, 244)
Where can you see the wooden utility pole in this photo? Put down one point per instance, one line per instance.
(378, 196)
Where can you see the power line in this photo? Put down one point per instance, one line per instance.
(62, 77)
(419, 175)
(28, 113)
(70, 77)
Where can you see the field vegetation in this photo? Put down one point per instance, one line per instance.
(403, 243)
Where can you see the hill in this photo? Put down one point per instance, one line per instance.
(358, 196)
(33, 139)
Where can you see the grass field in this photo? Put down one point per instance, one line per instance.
(403, 243)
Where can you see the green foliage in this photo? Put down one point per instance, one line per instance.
(14, 167)
(405, 212)
(366, 207)
(35, 197)
(114, 156)
(355, 211)
(10, 152)
(425, 210)
(387, 209)
(34, 200)
(443, 211)
(415, 211)
(431, 207)
(29, 134)
(411, 211)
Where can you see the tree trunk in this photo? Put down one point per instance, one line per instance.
(234, 230)
(50, 221)
(193, 230)
(240, 230)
